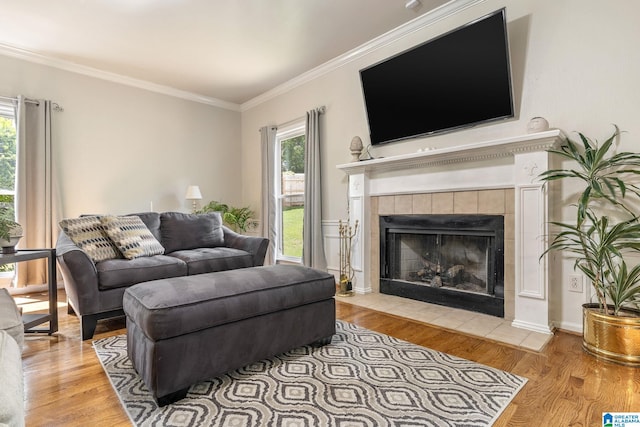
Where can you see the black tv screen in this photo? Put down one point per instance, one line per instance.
(459, 79)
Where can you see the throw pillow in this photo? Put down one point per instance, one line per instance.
(88, 234)
(151, 220)
(189, 231)
(131, 236)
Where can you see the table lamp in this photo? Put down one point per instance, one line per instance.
(193, 194)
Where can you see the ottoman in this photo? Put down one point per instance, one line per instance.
(184, 330)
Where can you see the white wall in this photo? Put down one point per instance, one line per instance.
(118, 149)
(574, 62)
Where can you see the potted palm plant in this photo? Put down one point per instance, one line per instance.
(602, 239)
(238, 219)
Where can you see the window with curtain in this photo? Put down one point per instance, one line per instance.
(292, 191)
(289, 188)
(27, 180)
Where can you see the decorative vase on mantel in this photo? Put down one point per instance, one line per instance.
(356, 147)
(537, 124)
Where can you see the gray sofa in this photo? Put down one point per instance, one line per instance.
(193, 244)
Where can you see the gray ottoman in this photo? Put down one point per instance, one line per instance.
(184, 330)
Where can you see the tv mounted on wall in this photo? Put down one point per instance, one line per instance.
(456, 80)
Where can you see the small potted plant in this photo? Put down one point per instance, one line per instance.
(606, 231)
(10, 230)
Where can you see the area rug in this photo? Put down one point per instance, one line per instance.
(363, 378)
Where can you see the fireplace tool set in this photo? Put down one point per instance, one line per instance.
(346, 233)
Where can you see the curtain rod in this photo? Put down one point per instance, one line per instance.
(320, 110)
(54, 105)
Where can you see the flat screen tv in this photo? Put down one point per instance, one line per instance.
(459, 79)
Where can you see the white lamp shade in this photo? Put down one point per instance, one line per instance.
(193, 193)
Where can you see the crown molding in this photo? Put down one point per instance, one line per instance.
(450, 8)
(38, 58)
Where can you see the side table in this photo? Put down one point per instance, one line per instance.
(32, 320)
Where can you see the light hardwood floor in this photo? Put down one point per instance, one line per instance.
(66, 386)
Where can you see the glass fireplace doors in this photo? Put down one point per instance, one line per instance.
(453, 260)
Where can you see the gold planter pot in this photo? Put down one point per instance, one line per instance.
(614, 338)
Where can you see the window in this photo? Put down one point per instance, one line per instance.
(289, 188)
(7, 163)
(7, 154)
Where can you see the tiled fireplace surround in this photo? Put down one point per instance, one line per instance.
(491, 177)
(490, 202)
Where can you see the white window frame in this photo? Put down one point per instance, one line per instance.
(7, 110)
(284, 133)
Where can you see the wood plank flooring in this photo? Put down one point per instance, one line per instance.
(65, 384)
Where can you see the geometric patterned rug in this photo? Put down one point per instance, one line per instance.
(363, 378)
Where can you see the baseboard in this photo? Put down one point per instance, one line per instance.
(532, 327)
(569, 326)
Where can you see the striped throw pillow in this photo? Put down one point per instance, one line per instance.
(131, 236)
(89, 235)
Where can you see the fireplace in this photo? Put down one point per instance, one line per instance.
(452, 260)
(465, 176)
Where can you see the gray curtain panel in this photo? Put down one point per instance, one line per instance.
(313, 242)
(268, 220)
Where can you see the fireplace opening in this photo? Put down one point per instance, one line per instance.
(453, 260)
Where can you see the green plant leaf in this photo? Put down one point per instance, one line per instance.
(238, 219)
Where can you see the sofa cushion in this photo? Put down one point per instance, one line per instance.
(181, 305)
(188, 231)
(119, 273)
(207, 260)
(152, 221)
(89, 235)
(131, 236)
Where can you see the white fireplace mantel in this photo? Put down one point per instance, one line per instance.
(513, 162)
(505, 147)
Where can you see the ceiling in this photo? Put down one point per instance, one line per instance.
(228, 50)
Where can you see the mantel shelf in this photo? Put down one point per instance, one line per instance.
(510, 146)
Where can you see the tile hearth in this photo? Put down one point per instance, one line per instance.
(477, 324)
